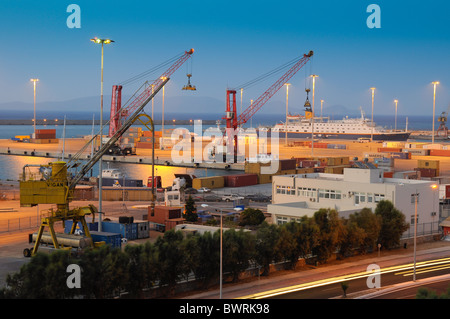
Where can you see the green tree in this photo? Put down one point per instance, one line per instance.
(353, 238)
(238, 251)
(251, 217)
(393, 224)
(266, 239)
(286, 247)
(205, 252)
(171, 259)
(331, 233)
(190, 210)
(370, 223)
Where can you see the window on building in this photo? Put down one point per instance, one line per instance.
(413, 198)
(378, 197)
(330, 193)
(412, 219)
(281, 220)
(360, 198)
(306, 192)
(369, 197)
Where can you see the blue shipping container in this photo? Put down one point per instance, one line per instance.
(128, 231)
(79, 229)
(112, 239)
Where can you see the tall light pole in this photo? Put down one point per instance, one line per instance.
(153, 102)
(373, 95)
(34, 118)
(162, 128)
(396, 102)
(287, 102)
(242, 91)
(221, 246)
(434, 105)
(416, 195)
(313, 114)
(321, 108)
(100, 168)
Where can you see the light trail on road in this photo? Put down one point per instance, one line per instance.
(400, 269)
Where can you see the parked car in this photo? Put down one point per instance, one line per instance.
(203, 190)
(211, 198)
(231, 197)
(258, 198)
(190, 191)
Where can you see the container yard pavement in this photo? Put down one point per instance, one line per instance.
(353, 149)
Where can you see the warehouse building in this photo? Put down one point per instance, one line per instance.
(294, 196)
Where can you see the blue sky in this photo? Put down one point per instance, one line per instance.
(234, 41)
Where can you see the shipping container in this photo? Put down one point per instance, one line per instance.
(428, 164)
(433, 146)
(287, 164)
(106, 181)
(79, 228)
(305, 170)
(143, 229)
(389, 149)
(418, 152)
(208, 182)
(427, 172)
(113, 239)
(401, 155)
(240, 180)
(388, 174)
(264, 178)
(439, 152)
(128, 231)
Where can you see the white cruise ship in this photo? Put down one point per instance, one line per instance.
(348, 128)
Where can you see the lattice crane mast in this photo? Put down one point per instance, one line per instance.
(54, 185)
(233, 121)
(119, 113)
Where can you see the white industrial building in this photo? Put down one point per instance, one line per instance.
(294, 196)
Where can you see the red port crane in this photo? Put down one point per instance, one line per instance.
(233, 122)
(118, 114)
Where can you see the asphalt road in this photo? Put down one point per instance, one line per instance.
(388, 277)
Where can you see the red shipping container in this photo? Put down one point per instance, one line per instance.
(447, 191)
(388, 174)
(426, 172)
(287, 164)
(240, 180)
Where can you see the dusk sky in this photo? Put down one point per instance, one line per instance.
(234, 42)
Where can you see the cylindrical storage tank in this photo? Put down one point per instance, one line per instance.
(75, 241)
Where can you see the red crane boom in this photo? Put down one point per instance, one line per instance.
(233, 121)
(118, 113)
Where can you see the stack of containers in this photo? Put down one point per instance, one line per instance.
(131, 137)
(112, 239)
(146, 139)
(45, 134)
(128, 231)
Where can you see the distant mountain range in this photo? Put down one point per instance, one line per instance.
(178, 107)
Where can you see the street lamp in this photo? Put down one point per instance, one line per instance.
(287, 101)
(313, 114)
(221, 245)
(396, 102)
(100, 180)
(162, 128)
(416, 195)
(321, 107)
(373, 94)
(434, 105)
(34, 90)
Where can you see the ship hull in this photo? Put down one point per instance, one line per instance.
(398, 136)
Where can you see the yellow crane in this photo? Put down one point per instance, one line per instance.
(53, 184)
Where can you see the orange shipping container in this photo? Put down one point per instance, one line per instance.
(439, 152)
(389, 149)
